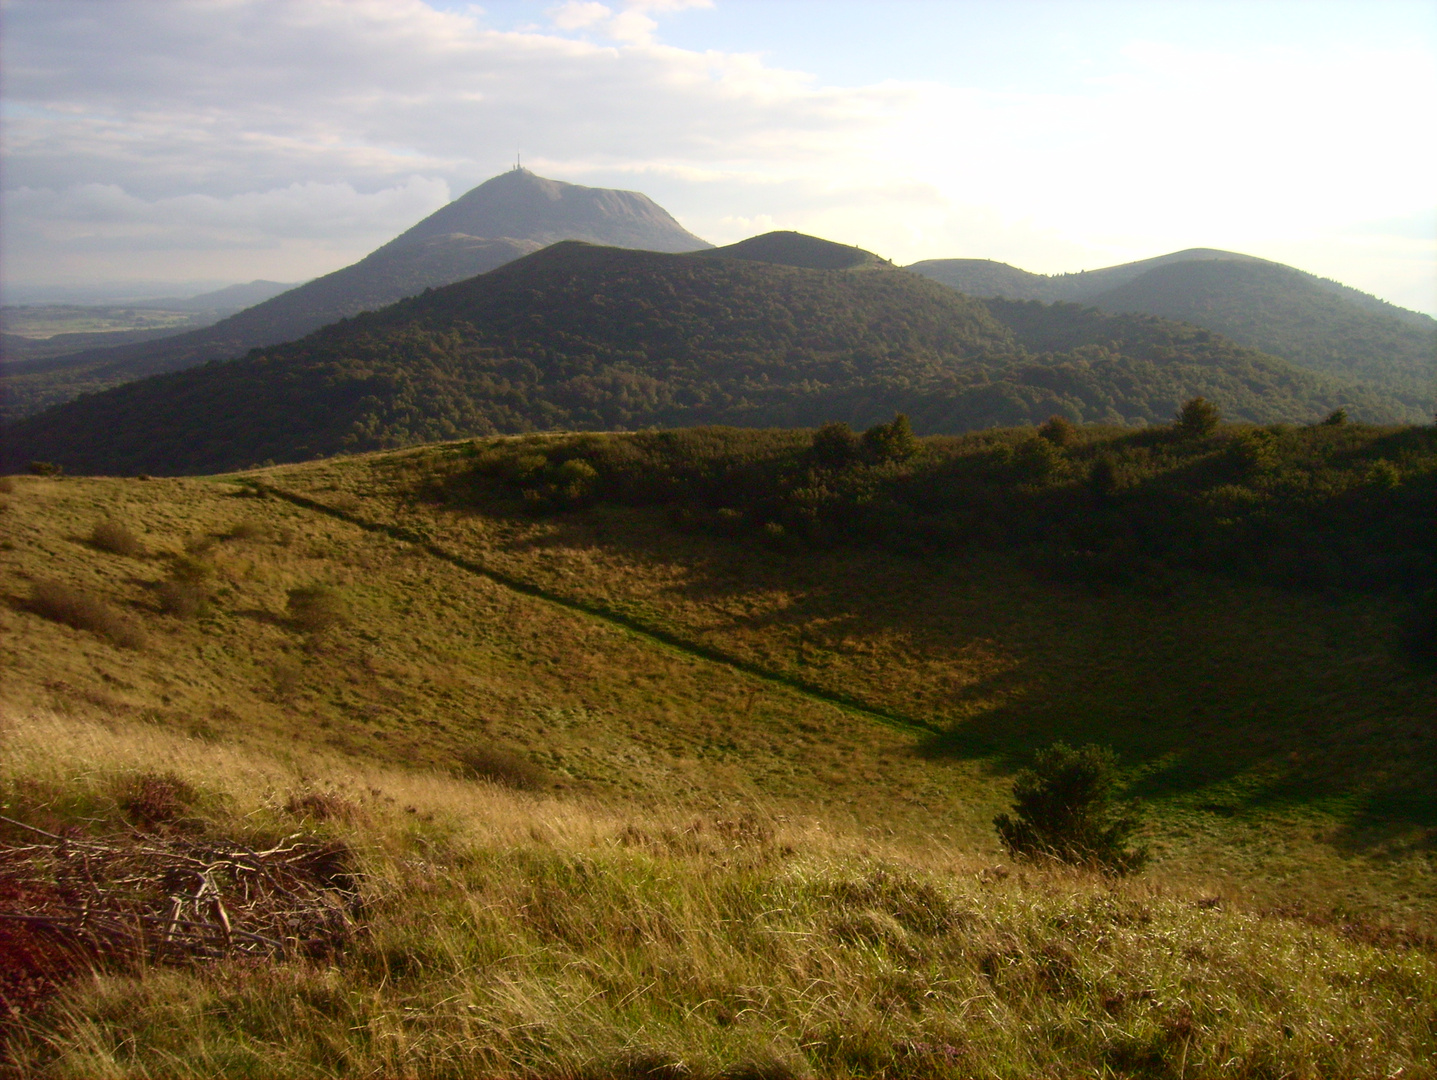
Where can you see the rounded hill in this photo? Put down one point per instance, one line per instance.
(1313, 323)
(798, 249)
(583, 337)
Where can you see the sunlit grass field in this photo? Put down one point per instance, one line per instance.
(711, 870)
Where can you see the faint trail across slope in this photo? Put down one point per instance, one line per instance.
(628, 623)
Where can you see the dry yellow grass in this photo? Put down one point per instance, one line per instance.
(430, 663)
(518, 935)
(721, 876)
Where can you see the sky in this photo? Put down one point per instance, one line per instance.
(156, 145)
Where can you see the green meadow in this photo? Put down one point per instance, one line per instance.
(677, 754)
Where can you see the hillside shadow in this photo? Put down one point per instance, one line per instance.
(1194, 690)
(268, 618)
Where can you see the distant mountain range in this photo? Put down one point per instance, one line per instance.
(582, 337)
(1378, 358)
(1310, 321)
(230, 298)
(513, 214)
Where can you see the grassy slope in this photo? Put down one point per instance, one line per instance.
(1240, 720)
(431, 662)
(614, 916)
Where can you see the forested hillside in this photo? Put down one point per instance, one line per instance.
(1317, 324)
(1288, 313)
(1335, 505)
(583, 337)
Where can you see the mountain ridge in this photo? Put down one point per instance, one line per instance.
(1316, 323)
(526, 211)
(582, 337)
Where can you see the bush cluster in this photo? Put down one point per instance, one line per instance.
(1324, 506)
(1065, 807)
(186, 593)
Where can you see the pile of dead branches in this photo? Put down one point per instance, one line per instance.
(175, 899)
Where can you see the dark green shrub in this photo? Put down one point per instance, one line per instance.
(834, 446)
(109, 535)
(1059, 430)
(1253, 451)
(1065, 807)
(1198, 417)
(892, 441)
(1336, 418)
(1384, 474)
(502, 767)
(573, 482)
(1103, 478)
(46, 468)
(187, 593)
(81, 610)
(1037, 459)
(1422, 630)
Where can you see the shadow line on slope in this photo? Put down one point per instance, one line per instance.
(1188, 684)
(605, 614)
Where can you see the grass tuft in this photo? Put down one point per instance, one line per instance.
(317, 608)
(250, 529)
(152, 799)
(110, 535)
(83, 610)
(502, 767)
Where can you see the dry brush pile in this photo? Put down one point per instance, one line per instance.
(70, 902)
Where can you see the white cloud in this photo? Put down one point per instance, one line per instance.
(634, 25)
(274, 131)
(578, 15)
(111, 234)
